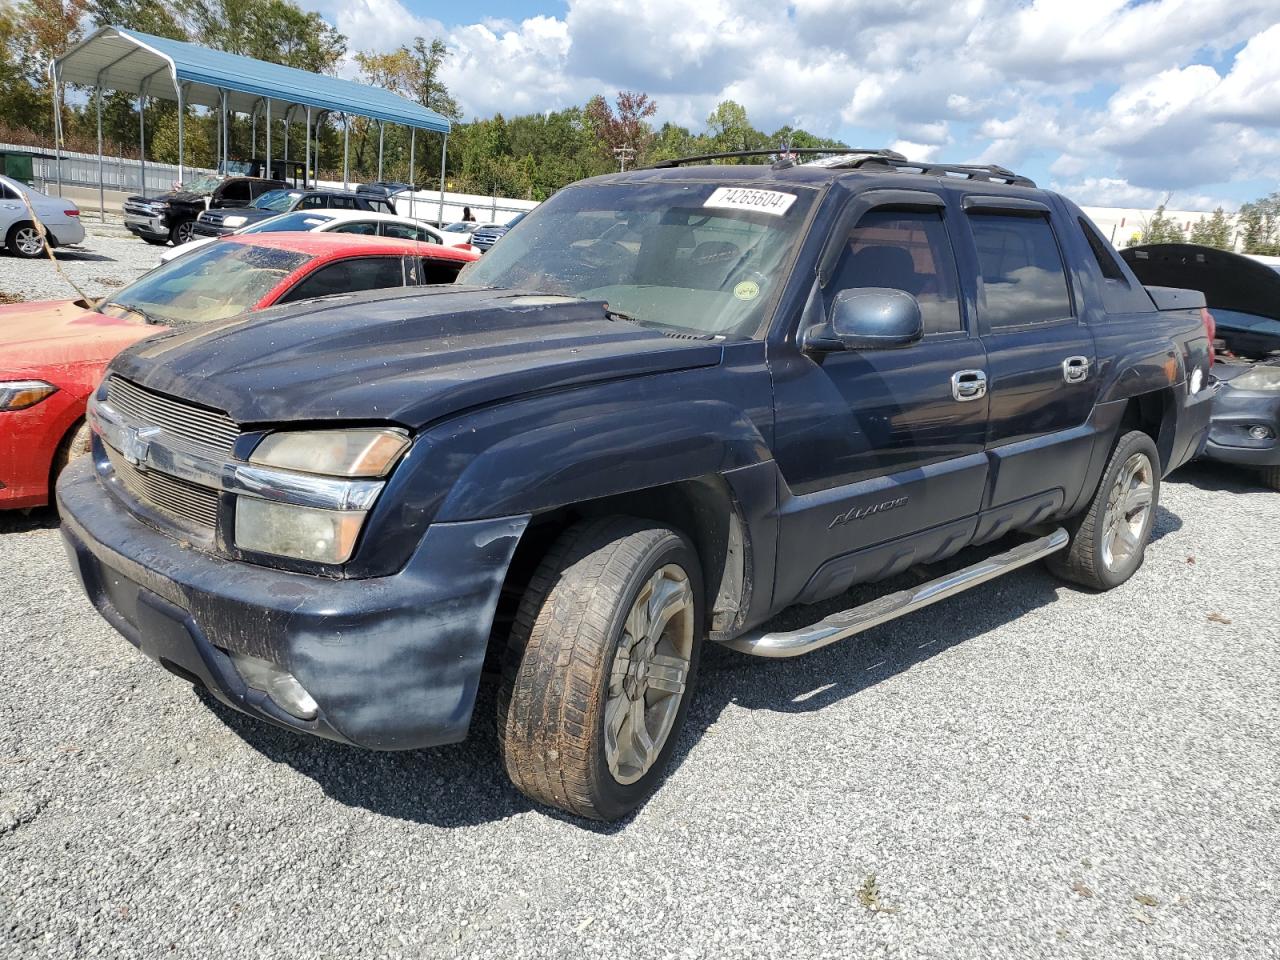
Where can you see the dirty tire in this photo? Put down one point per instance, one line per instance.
(75, 444)
(23, 240)
(1271, 477)
(1082, 562)
(559, 660)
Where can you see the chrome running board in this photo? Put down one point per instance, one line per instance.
(846, 623)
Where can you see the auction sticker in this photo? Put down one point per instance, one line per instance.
(773, 202)
(747, 290)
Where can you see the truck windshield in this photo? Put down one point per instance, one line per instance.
(220, 280)
(204, 184)
(696, 257)
(277, 200)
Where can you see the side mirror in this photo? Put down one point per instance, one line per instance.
(867, 318)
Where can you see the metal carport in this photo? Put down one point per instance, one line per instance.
(113, 58)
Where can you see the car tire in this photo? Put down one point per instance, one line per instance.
(1109, 539)
(181, 232)
(76, 443)
(24, 241)
(1271, 477)
(592, 703)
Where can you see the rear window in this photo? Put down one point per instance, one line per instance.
(1020, 268)
(1102, 252)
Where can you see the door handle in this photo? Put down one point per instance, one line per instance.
(968, 385)
(1075, 369)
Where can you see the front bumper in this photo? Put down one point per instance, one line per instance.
(393, 662)
(1234, 412)
(199, 229)
(141, 226)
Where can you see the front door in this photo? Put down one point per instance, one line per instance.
(882, 451)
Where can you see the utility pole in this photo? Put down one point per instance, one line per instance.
(623, 154)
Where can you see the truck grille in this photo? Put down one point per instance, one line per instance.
(213, 219)
(139, 208)
(184, 424)
(171, 496)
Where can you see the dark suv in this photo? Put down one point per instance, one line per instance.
(171, 217)
(219, 223)
(671, 403)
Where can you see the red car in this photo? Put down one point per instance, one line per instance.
(52, 354)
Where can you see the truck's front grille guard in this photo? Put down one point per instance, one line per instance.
(152, 447)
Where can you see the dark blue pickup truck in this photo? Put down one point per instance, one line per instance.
(669, 404)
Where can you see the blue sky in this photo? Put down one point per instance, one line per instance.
(1116, 102)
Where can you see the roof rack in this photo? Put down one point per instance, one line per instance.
(851, 158)
(779, 151)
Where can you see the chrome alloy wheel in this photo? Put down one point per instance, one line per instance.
(1128, 508)
(27, 239)
(185, 232)
(650, 667)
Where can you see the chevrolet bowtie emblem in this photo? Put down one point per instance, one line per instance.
(137, 444)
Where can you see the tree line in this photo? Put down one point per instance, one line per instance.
(529, 156)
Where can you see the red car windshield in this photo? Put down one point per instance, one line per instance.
(220, 281)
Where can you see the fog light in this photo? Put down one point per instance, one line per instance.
(277, 683)
(1260, 431)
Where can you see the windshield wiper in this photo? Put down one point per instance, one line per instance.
(676, 333)
(148, 317)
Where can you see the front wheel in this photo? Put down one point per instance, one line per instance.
(600, 667)
(182, 232)
(1109, 540)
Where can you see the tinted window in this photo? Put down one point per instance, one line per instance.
(364, 228)
(404, 231)
(314, 201)
(236, 192)
(1020, 269)
(904, 251)
(382, 206)
(348, 276)
(440, 271)
(1102, 252)
(8, 193)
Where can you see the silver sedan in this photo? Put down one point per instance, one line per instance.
(61, 219)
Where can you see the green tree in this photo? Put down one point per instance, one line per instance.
(1213, 231)
(1260, 226)
(1159, 229)
(729, 130)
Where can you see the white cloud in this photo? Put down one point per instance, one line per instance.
(1111, 96)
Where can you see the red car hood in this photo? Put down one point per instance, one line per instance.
(57, 339)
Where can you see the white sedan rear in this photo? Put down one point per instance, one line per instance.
(365, 222)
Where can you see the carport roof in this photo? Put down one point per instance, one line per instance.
(119, 59)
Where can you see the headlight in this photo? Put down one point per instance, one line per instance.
(233, 221)
(1259, 378)
(363, 452)
(342, 457)
(286, 530)
(20, 394)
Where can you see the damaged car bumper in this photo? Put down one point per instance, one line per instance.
(387, 663)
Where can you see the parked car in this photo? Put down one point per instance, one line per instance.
(1243, 294)
(485, 237)
(360, 222)
(220, 223)
(61, 219)
(170, 217)
(465, 228)
(386, 189)
(670, 404)
(55, 352)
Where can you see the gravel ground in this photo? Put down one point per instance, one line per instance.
(1023, 771)
(99, 265)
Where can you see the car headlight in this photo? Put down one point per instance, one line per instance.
(233, 222)
(1259, 378)
(288, 530)
(309, 532)
(362, 452)
(20, 394)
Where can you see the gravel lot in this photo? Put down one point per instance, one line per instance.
(1020, 772)
(99, 265)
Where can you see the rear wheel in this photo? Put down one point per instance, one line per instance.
(182, 232)
(1109, 540)
(24, 241)
(600, 667)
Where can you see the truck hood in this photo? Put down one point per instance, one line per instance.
(401, 358)
(175, 196)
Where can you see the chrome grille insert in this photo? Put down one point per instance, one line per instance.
(184, 424)
(171, 496)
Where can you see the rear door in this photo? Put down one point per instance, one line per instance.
(1041, 363)
(349, 276)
